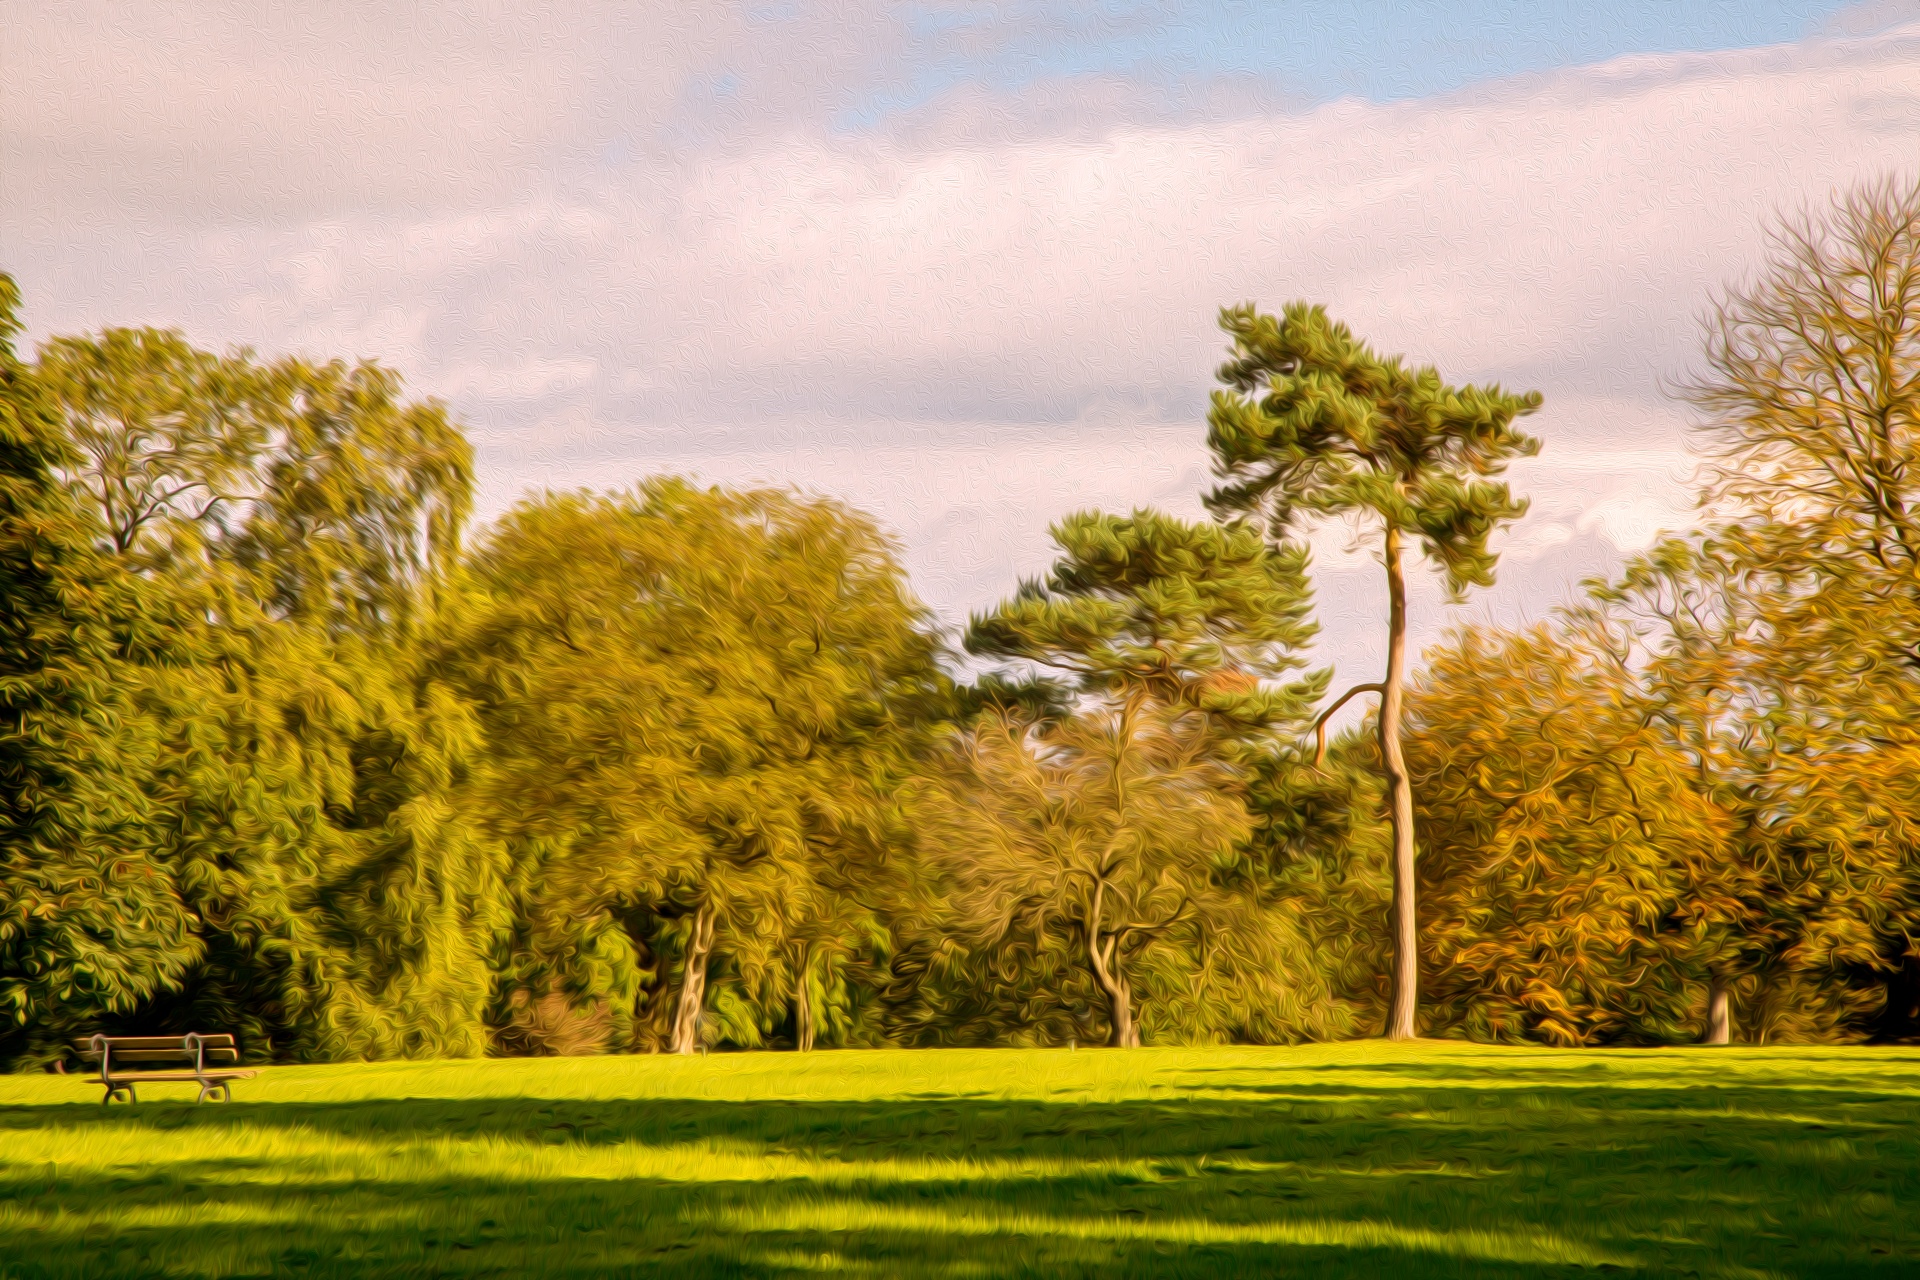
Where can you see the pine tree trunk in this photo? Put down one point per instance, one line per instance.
(1719, 1013)
(802, 1007)
(1401, 1014)
(693, 985)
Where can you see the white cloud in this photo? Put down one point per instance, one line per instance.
(967, 328)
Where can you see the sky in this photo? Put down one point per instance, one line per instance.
(955, 263)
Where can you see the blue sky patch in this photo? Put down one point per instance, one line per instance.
(1380, 50)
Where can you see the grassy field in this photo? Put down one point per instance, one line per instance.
(1369, 1160)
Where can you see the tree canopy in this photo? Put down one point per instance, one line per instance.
(692, 698)
(287, 750)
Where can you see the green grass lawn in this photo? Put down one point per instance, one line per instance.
(1434, 1160)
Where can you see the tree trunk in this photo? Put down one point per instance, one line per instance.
(693, 985)
(1125, 1032)
(802, 1007)
(1401, 1020)
(1719, 1013)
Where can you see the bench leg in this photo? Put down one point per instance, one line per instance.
(115, 1090)
(217, 1091)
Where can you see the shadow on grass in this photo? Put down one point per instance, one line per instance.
(1301, 1178)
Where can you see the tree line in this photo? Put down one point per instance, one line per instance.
(288, 748)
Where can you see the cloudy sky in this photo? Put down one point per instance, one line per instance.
(955, 262)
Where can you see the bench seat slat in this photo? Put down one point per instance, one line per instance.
(141, 1077)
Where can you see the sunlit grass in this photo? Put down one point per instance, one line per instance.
(1330, 1160)
(842, 1218)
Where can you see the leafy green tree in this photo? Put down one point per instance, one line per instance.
(1320, 859)
(289, 526)
(340, 500)
(1314, 424)
(1172, 638)
(1084, 858)
(90, 926)
(692, 698)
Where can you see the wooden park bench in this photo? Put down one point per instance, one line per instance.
(202, 1052)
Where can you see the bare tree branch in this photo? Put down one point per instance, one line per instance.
(1320, 724)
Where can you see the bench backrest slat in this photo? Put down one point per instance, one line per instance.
(167, 1055)
(119, 1044)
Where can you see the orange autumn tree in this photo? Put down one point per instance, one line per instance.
(1575, 880)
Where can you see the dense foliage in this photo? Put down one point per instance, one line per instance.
(283, 751)
(701, 706)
